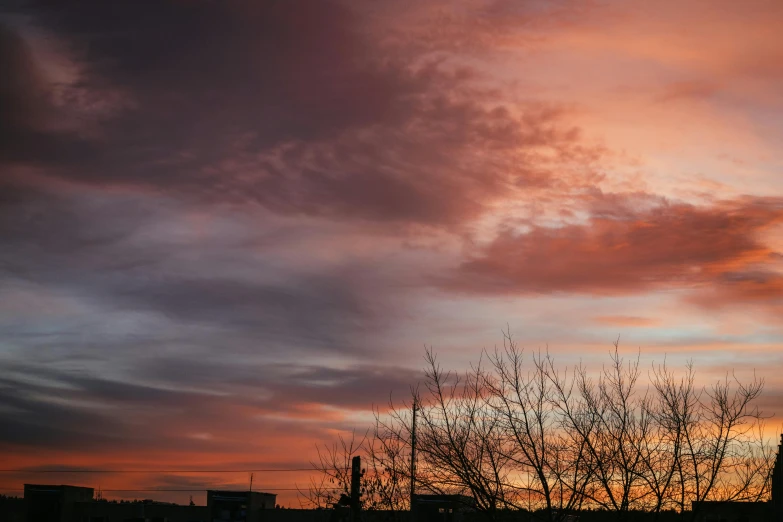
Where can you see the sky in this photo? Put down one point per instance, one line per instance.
(228, 229)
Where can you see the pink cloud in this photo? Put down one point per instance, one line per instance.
(622, 250)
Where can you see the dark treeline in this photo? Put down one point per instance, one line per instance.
(516, 432)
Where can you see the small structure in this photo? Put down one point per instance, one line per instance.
(238, 506)
(50, 503)
(12, 509)
(138, 511)
(777, 485)
(442, 508)
(715, 511)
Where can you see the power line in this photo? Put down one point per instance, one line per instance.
(181, 490)
(156, 470)
(166, 490)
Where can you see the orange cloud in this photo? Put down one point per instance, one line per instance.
(621, 250)
(626, 320)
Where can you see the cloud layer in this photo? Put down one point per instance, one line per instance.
(630, 246)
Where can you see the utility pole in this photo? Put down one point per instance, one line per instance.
(413, 458)
(356, 475)
(249, 499)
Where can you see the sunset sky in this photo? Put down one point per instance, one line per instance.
(228, 229)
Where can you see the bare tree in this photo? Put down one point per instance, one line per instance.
(674, 407)
(389, 454)
(527, 434)
(725, 456)
(461, 440)
(383, 481)
(334, 472)
(523, 400)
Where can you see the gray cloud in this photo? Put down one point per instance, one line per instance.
(290, 105)
(260, 119)
(46, 407)
(133, 274)
(32, 421)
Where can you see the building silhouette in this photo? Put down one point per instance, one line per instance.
(238, 506)
(777, 485)
(48, 503)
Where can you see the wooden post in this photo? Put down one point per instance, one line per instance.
(413, 460)
(356, 475)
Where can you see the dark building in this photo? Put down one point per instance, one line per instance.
(714, 511)
(238, 506)
(47, 503)
(12, 509)
(777, 485)
(140, 511)
(442, 508)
